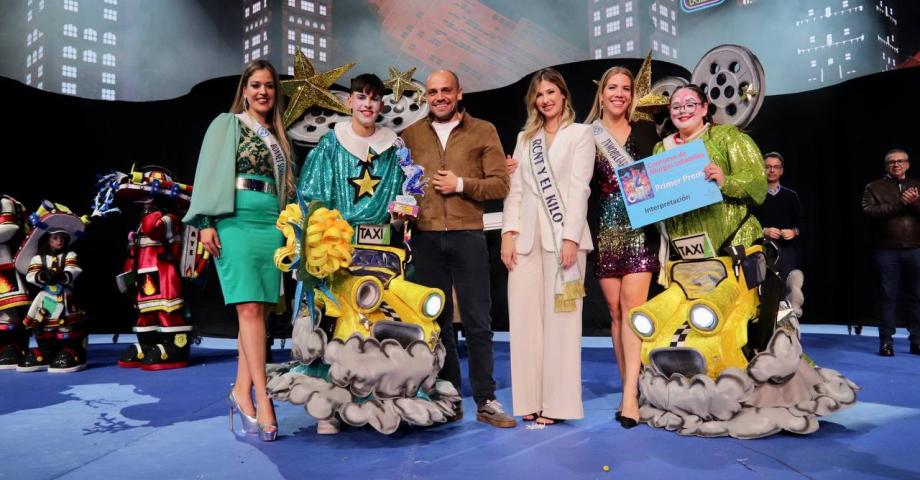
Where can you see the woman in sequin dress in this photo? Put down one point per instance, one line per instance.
(243, 178)
(627, 257)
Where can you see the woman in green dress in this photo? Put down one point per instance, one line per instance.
(243, 178)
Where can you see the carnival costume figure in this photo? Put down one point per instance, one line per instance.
(48, 262)
(14, 339)
(152, 267)
(366, 343)
(721, 353)
(729, 222)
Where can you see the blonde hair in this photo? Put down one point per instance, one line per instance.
(597, 108)
(535, 120)
(277, 120)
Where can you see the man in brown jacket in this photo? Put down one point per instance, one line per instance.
(465, 161)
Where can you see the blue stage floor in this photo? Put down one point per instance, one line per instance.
(107, 422)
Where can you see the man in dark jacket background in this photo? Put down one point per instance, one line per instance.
(892, 202)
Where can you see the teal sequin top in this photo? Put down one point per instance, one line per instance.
(360, 189)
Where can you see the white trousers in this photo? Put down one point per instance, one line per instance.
(545, 345)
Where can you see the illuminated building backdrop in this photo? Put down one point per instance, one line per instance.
(140, 50)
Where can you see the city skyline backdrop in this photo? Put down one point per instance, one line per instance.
(140, 51)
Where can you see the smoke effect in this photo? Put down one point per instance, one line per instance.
(779, 391)
(359, 368)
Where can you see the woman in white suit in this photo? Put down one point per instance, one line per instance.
(545, 239)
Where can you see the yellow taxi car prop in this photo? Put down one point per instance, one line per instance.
(374, 300)
(703, 321)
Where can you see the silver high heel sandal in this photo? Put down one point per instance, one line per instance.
(268, 436)
(250, 424)
(264, 434)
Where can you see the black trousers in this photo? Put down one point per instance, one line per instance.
(460, 259)
(898, 266)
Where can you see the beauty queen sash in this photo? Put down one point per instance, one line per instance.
(613, 152)
(569, 282)
(279, 162)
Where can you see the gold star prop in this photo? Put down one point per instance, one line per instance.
(364, 185)
(309, 89)
(749, 93)
(647, 102)
(399, 82)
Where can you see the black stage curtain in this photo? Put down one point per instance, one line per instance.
(833, 139)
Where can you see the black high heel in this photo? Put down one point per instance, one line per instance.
(628, 423)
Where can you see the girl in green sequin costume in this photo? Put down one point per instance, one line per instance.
(737, 167)
(627, 257)
(244, 177)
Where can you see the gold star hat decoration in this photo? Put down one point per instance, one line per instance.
(749, 93)
(399, 82)
(648, 103)
(309, 89)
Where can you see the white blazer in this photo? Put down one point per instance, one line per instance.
(571, 157)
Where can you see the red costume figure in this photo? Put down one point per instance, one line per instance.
(155, 249)
(14, 339)
(47, 260)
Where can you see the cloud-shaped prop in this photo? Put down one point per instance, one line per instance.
(779, 391)
(368, 382)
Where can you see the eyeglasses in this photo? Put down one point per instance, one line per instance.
(687, 107)
(899, 161)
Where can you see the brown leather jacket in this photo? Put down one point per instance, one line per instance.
(473, 153)
(896, 225)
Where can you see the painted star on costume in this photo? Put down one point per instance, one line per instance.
(369, 159)
(399, 82)
(364, 185)
(309, 89)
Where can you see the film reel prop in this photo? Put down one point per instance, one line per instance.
(396, 115)
(734, 80)
(411, 107)
(316, 122)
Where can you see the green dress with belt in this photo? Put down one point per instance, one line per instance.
(244, 219)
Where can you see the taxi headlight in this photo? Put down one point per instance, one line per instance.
(642, 324)
(703, 318)
(366, 292)
(433, 304)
